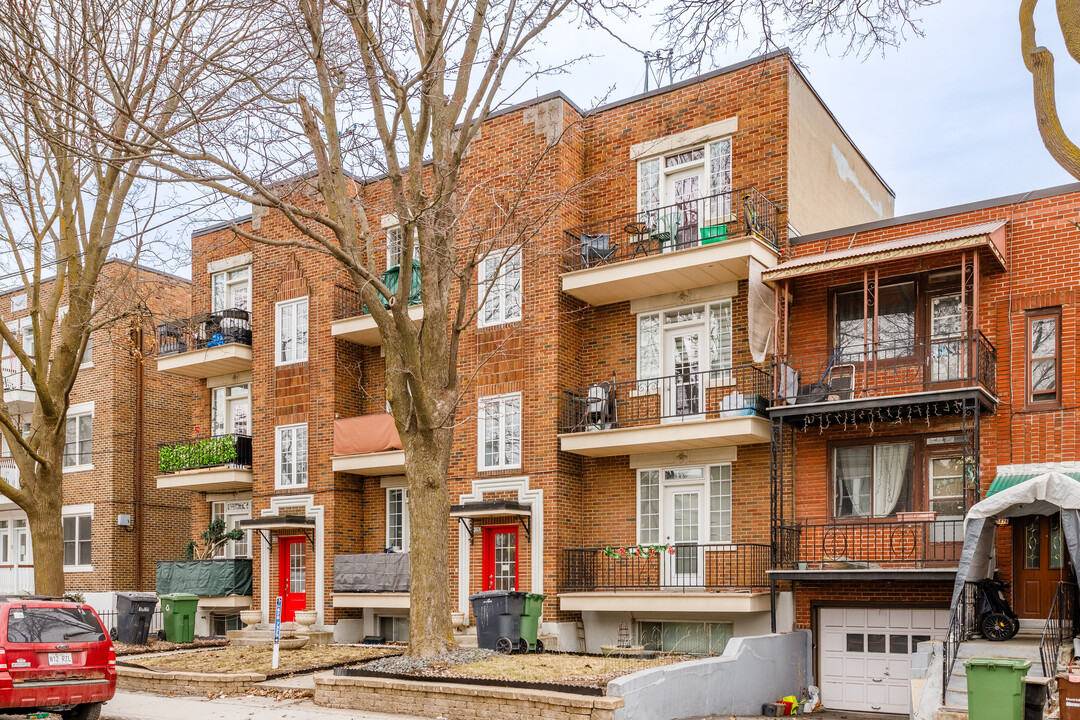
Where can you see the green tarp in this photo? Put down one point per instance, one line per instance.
(208, 578)
(1007, 481)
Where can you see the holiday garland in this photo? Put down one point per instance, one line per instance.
(622, 552)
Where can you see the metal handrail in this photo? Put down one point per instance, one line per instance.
(868, 542)
(204, 330)
(961, 628)
(679, 226)
(706, 394)
(1059, 626)
(677, 566)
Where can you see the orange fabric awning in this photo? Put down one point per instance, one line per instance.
(989, 235)
(365, 434)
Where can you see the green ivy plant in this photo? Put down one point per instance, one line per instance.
(199, 454)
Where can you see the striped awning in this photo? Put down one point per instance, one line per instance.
(1008, 479)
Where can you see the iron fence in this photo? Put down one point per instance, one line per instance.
(962, 626)
(682, 566)
(682, 225)
(855, 544)
(706, 394)
(204, 330)
(111, 622)
(886, 368)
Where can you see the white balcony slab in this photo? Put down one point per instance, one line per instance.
(208, 362)
(391, 462)
(362, 330)
(381, 601)
(207, 479)
(720, 432)
(660, 601)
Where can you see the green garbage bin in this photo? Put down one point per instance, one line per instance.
(530, 620)
(995, 688)
(178, 616)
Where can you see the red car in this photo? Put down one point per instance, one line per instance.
(55, 656)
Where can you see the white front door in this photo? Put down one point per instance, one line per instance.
(683, 189)
(866, 655)
(684, 390)
(683, 524)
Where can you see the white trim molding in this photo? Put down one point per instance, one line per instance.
(712, 131)
(532, 497)
(310, 510)
(228, 263)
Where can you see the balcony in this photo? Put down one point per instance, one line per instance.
(918, 545)
(354, 323)
(368, 445)
(687, 245)
(914, 377)
(715, 577)
(711, 408)
(9, 473)
(206, 578)
(206, 345)
(213, 464)
(19, 391)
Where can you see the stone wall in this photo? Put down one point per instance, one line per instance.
(183, 683)
(458, 702)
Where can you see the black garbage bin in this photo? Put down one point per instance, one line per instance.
(134, 611)
(498, 619)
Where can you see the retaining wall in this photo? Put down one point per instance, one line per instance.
(752, 671)
(184, 683)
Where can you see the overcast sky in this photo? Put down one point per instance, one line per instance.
(945, 119)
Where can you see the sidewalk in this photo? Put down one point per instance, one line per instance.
(143, 706)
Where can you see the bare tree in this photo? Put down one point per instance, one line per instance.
(1040, 63)
(70, 195)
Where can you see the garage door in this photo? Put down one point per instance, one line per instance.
(865, 654)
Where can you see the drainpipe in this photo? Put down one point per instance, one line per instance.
(137, 475)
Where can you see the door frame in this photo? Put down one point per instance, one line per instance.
(669, 400)
(487, 553)
(963, 359)
(670, 575)
(1064, 572)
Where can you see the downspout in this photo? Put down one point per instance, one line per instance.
(137, 475)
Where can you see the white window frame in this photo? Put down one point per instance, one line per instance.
(74, 413)
(293, 483)
(663, 324)
(705, 163)
(228, 550)
(88, 352)
(224, 275)
(296, 356)
(219, 406)
(85, 510)
(496, 270)
(394, 237)
(723, 537)
(390, 492)
(501, 419)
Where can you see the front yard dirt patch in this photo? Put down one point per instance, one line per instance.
(554, 668)
(232, 660)
(157, 646)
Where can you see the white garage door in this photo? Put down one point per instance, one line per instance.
(865, 654)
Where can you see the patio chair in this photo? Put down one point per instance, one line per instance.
(667, 228)
(600, 406)
(596, 249)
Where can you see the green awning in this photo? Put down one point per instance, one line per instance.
(1002, 482)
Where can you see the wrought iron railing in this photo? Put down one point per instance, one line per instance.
(962, 626)
(207, 452)
(704, 395)
(683, 225)
(15, 376)
(870, 543)
(715, 566)
(883, 369)
(205, 330)
(1058, 627)
(348, 303)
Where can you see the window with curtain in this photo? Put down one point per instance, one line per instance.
(872, 480)
(292, 456)
(649, 184)
(79, 439)
(720, 335)
(896, 323)
(500, 288)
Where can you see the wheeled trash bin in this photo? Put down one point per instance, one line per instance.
(995, 688)
(178, 616)
(498, 619)
(530, 622)
(134, 611)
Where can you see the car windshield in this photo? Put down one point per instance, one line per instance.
(52, 625)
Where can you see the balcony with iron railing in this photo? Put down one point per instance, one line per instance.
(673, 577)
(912, 542)
(352, 320)
(707, 408)
(205, 345)
(217, 463)
(907, 375)
(694, 243)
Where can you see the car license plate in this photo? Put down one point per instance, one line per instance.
(59, 658)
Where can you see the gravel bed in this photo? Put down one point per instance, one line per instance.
(404, 664)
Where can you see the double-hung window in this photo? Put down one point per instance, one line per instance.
(230, 410)
(1043, 358)
(292, 331)
(500, 288)
(292, 455)
(77, 542)
(397, 519)
(88, 352)
(79, 438)
(500, 432)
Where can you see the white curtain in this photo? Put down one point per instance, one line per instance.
(890, 475)
(853, 466)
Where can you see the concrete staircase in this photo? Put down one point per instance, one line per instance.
(1021, 647)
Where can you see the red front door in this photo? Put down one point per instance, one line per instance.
(292, 582)
(500, 550)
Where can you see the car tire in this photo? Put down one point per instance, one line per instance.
(89, 711)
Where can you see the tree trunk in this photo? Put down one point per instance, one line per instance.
(427, 461)
(46, 530)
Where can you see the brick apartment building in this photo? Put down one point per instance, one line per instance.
(922, 362)
(619, 374)
(116, 525)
